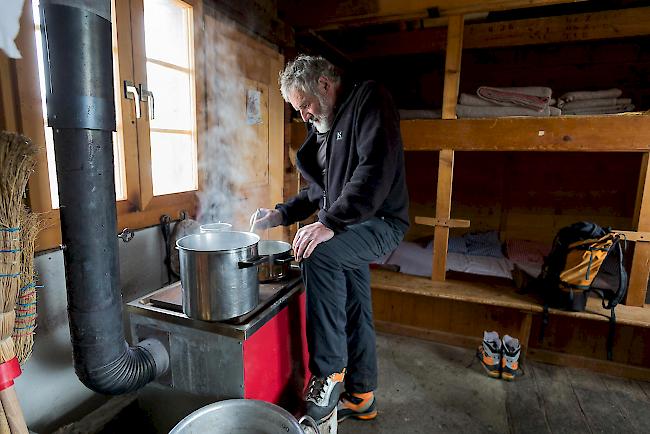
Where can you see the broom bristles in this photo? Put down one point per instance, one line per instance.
(25, 308)
(16, 165)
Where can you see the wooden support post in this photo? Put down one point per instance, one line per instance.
(452, 66)
(7, 96)
(524, 332)
(638, 285)
(446, 163)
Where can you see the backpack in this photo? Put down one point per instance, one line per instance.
(584, 258)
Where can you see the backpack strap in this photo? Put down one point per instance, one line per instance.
(610, 334)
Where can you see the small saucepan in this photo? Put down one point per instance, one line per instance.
(273, 261)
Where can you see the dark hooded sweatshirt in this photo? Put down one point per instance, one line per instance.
(365, 165)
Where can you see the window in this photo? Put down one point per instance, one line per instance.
(118, 145)
(156, 168)
(170, 76)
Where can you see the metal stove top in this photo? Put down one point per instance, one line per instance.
(166, 304)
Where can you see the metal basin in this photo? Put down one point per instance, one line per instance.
(215, 287)
(239, 416)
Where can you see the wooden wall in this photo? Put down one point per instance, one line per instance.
(417, 80)
(528, 195)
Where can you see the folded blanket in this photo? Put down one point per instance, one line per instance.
(621, 108)
(420, 114)
(483, 244)
(554, 111)
(468, 111)
(473, 100)
(598, 102)
(528, 97)
(582, 95)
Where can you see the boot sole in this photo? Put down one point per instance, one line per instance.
(360, 416)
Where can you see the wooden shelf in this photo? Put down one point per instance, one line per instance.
(501, 296)
(603, 133)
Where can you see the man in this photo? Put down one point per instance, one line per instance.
(353, 159)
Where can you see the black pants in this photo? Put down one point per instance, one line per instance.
(340, 330)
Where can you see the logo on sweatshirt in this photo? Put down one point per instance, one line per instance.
(339, 135)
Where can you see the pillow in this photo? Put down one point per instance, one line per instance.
(454, 245)
(483, 244)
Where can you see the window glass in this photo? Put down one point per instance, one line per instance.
(170, 77)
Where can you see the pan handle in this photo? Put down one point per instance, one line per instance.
(284, 260)
(252, 262)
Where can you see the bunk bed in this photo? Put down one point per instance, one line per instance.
(452, 311)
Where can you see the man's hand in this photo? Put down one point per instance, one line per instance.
(264, 218)
(308, 237)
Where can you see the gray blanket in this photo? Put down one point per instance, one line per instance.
(598, 102)
(582, 95)
(468, 111)
(621, 108)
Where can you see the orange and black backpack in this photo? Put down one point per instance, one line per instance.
(584, 258)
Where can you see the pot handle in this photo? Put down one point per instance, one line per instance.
(252, 262)
(308, 421)
(284, 260)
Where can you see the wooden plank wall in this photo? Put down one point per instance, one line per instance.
(528, 195)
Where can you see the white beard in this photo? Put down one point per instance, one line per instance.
(324, 122)
(322, 125)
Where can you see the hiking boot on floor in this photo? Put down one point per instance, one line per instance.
(357, 405)
(510, 359)
(489, 353)
(323, 395)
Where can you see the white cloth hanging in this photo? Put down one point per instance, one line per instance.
(10, 11)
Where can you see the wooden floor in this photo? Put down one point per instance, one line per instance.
(429, 388)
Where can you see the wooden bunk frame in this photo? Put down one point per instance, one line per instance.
(404, 304)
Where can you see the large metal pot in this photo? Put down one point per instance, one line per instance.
(215, 286)
(243, 416)
(278, 260)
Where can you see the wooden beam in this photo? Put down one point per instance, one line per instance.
(452, 66)
(352, 13)
(566, 28)
(443, 211)
(497, 295)
(609, 133)
(637, 237)
(446, 159)
(434, 221)
(640, 271)
(8, 118)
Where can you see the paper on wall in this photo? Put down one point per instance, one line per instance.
(10, 11)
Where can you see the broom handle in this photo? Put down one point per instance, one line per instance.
(12, 411)
(4, 423)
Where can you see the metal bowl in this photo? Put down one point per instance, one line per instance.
(239, 416)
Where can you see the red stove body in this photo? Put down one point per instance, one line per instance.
(261, 355)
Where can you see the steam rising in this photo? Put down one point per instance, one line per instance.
(234, 157)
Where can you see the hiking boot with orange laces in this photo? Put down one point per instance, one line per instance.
(489, 353)
(357, 405)
(510, 359)
(323, 395)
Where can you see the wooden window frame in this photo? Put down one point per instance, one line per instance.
(141, 209)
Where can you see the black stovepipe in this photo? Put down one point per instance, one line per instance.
(81, 111)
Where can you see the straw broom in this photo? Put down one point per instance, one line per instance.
(25, 324)
(16, 165)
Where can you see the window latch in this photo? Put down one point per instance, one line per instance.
(131, 92)
(147, 95)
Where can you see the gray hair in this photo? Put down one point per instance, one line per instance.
(303, 73)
